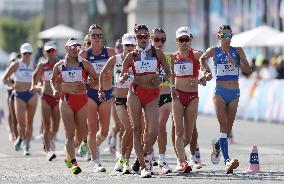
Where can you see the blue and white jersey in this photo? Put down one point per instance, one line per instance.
(98, 61)
(224, 70)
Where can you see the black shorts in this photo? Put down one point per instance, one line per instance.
(120, 101)
(165, 98)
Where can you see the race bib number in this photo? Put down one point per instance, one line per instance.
(227, 69)
(146, 66)
(183, 68)
(98, 66)
(72, 76)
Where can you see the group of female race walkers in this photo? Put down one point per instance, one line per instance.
(139, 85)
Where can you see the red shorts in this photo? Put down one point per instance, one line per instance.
(50, 100)
(145, 95)
(75, 101)
(186, 97)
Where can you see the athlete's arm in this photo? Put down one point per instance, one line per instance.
(126, 65)
(244, 64)
(109, 65)
(55, 74)
(36, 77)
(10, 70)
(164, 63)
(202, 60)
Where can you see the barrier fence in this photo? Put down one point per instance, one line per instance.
(261, 100)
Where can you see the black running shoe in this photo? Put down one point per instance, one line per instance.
(136, 165)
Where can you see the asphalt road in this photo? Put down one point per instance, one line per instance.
(15, 168)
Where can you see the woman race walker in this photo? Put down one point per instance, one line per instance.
(185, 93)
(49, 104)
(13, 125)
(73, 72)
(228, 61)
(144, 93)
(98, 109)
(25, 101)
(158, 39)
(120, 92)
(117, 127)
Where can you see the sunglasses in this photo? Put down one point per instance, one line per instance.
(50, 51)
(27, 53)
(183, 39)
(226, 35)
(129, 45)
(163, 40)
(75, 47)
(142, 36)
(100, 36)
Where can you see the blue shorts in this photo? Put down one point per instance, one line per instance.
(23, 95)
(227, 94)
(93, 94)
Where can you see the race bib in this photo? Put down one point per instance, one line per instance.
(227, 69)
(72, 75)
(98, 65)
(183, 68)
(146, 66)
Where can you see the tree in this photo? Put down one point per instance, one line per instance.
(12, 34)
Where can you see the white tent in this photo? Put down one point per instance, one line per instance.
(4, 57)
(60, 32)
(256, 37)
(277, 40)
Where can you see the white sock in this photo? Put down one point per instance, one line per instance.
(162, 156)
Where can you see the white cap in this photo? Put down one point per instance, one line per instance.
(26, 47)
(183, 31)
(50, 45)
(128, 38)
(13, 56)
(72, 41)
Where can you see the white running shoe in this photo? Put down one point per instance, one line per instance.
(194, 163)
(27, 151)
(145, 173)
(164, 166)
(98, 167)
(154, 160)
(179, 166)
(216, 151)
(119, 164)
(148, 163)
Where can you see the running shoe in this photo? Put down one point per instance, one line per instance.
(18, 143)
(68, 163)
(136, 166)
(98, 167)
(164, 166)
(194, 163)
(148, 163)
(145, 173)
(83, 149)
(231, 165)
(126, 168)
(119, 164)
(27, 150)
(216, 151)
(178, 166)
(186, 168)
(88, 156)
(75, 169)
(154, 160)
(197, 155)
(51, 155)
